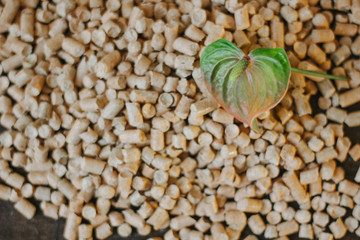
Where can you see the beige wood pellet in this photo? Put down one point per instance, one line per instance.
(116, 219)
(14, 196)
(73, 47)
(67, 188)
(327, 170)
(140, 123)
(355, 152)
(90, 165)
(107, 63)
(88, 211)
(134, 114)
(159, 218)
(289, 14)
(27, 190)
(309, 176)
(256, 172)
(322, 35)
(186, 46)
(320, 219)
(273, 217)
(352, 119)
(320, 21)
(287, 228)
(346, 201)
(351, 224)
(49, 210)
(198, 17)
(133, 219)
(326, 154)
(316, 53)
(78, 127)
(336, 211)
(183, 108)
(341, 54)
(25, 208)
(214, 32)
(132, 136)
(303, 216)
(338, 228)
(8, 14)
(348, 187)
(85, 231)
(194, 33)
(27, 25)
(15, 180)
(355, 212)
(325, 236)
(306, 231)
(250, 205)
(182, 221)
(288, 214)
(296, 188)
(12, 63)
(345, 29)
(277, 32)
(270, 231)
(143, 96)
(5, 192)
(42, 193)
(324, 103)
(103, 231)
(71, 226)
(157, 140)
(124, 230)
(355, 47)
(242, 18)
(142, 63)
(338, 174)
(256, 224)
(331, 197)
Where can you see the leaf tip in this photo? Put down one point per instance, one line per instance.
(255, 126)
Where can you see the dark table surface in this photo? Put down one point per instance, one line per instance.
(13, 226)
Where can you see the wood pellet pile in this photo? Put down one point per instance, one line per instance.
(109, 125)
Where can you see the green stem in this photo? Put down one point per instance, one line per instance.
(317, 74)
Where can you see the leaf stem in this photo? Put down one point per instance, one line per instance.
(318, 74)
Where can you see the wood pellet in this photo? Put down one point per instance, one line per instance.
(103, 107)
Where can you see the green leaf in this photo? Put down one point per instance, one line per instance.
(245, 86)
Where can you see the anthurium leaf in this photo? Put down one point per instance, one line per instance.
(245, 86)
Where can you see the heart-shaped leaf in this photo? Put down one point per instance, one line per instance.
(245, 86)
